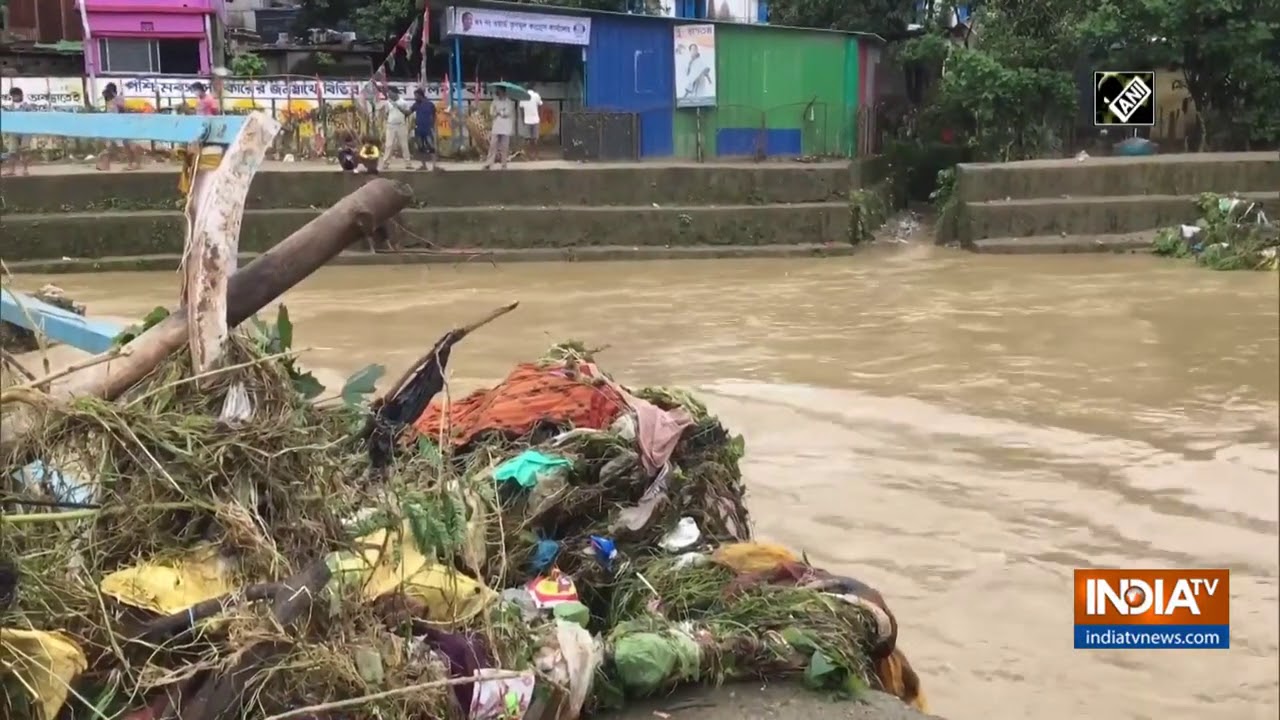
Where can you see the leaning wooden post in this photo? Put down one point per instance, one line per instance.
(215, 208)
(351, 219)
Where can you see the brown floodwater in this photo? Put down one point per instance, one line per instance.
(960, 431)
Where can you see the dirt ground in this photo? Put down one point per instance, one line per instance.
(779, 701)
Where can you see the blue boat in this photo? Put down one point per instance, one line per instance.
(68, 328)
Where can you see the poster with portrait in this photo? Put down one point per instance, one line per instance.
(695, 66)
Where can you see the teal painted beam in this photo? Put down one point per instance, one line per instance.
(68, 328)
(220, 129)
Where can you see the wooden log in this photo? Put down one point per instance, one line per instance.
(257, 284)
(350, 220)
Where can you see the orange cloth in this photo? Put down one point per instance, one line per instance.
(579, 396)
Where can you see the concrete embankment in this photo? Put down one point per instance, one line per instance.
(83, 221)
(1099, 203)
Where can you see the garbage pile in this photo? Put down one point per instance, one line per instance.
(543, 549)
(1232, 233)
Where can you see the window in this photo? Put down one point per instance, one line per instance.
(129, 55)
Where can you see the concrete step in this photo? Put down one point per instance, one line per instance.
(1066, 244)
(151, 232)
(1086, 215)
(152, 263)
(636, 184)
(1178, 174)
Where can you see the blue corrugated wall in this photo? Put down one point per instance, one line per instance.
(629, 68)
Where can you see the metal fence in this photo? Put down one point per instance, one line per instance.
(602, 136)
(313, 112)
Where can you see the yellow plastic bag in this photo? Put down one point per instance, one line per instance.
(400, 566)
(753, 557)
(171, 587)
(45, 663)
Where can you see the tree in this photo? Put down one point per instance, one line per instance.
(1229, 51)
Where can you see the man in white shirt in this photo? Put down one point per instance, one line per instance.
(397, 136)
(531, 121)
(503, 113)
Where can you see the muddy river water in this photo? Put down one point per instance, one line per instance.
(960, 431)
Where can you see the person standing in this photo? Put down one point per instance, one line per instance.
(17, 144)
(206, 103)
(531, 121)
(115, 104)
(503, 114)
(397, 135)
(424, 127)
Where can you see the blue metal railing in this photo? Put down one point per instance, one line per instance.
(218, 129)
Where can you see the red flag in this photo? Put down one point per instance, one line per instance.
(426, 29)
(406, 40)
(426, 34)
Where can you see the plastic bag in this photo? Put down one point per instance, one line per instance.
(447, 594)
(173, 586)
(46, 663)
(647, 662)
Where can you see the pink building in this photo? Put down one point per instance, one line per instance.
(143, 37)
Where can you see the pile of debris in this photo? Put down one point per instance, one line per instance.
(1232, 233)
(218, 545)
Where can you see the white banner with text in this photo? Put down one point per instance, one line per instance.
(516, 25)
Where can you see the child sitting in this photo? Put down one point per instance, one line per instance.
(370, 153)
(348, 158)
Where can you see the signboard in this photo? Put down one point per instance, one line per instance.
(516, 25)
(46, 93)
(695, 65)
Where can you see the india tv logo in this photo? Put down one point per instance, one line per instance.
(1152, 609)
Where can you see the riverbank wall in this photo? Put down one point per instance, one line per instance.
(77, 220)
(1097, 204)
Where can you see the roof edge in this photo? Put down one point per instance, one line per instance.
(537, 7)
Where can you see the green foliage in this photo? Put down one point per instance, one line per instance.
(1032, 33)
(277, 338)
(947, 203)
(437, 522)
(247, 65)
(361, 384)
(914, 164)
(1229, 51)
(929, 50)
(1003, 111)
(1169, 243)
(868, 213)
(149, 321)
